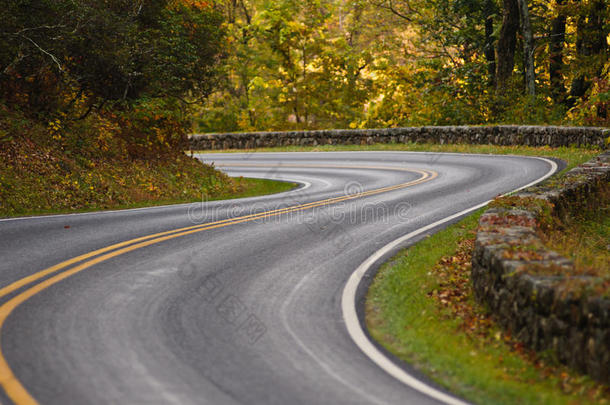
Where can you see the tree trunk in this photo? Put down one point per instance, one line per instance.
(558, 36)
(597, 21)
(599, 44)
(579, 86)
(528, 48)
(507, 42)
(590, 40)
(488, 50)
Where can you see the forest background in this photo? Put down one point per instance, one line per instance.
(154, 70)
(97, 97)
(315, 64)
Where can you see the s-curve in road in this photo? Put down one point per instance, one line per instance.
(241, 301)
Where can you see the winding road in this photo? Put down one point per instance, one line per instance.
(240, 301)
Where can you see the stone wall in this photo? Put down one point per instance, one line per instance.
(495, 135)
(536, 293)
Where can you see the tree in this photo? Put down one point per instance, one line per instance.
(528, 47)
(112, 51)
(556, 64)
(591, 47)
(507, 43)
(489, 9)
(338, 63)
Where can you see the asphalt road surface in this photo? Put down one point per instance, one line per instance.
(233, 301)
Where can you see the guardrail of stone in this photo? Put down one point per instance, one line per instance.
(533, 291)
(494, 135)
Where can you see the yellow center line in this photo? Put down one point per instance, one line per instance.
(36, 276)
(317, 166)
(13, 387)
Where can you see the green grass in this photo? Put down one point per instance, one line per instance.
(403, 313)
(95, 164)
(585, 237)
(403, 317)
(258, 187)
(248, 187)
(572, 155)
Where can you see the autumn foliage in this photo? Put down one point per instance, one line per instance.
(136, 65)
(95, 99)
(316, 64)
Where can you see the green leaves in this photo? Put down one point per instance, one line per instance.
(113, 50)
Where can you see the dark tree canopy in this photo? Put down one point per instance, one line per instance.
(264, 65)
(112, 50)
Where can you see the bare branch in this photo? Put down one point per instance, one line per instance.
(41, 27)
(246, 13)
(390, 7)
(45, 52)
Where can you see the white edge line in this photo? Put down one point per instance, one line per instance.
(303, 185)
(229, 153)
(350, 316)
(248, 153)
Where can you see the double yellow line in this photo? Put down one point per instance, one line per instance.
(13, 387)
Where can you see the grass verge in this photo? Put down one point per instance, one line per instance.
(420, 306)
(585, 237)
(107, 160)
(247, 187)
(38, 180)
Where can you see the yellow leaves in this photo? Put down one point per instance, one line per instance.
(152, 188)
(54, 128)
(199, 4)
(296, 26)
(55, 125)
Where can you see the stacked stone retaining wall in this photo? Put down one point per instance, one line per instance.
(536, 293)
(493, 135)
